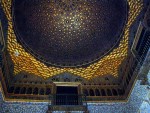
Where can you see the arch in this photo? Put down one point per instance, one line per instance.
(97, 92)
(17, 90)
(127, 81)
(11, 89)
(35, 91)
(109, 92)
(25, 76)
(103, 92)
(114, 91)
(120, 92)
(85, 92)
(23, 90)
(91, 92)
(48, 91)
(129, 77)
(41, 91)
(125, 85)
(29, 90)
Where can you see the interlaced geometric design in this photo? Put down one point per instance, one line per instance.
(109, 64)
(69, 33)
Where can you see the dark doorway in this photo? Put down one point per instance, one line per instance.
(67, 90)
(66, 95)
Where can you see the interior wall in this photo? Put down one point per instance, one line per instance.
(136, 99)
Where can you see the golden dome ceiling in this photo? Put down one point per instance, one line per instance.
(69, 33)
(25, 61)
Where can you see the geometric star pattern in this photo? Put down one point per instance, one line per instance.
(107, 65)
(69, 33)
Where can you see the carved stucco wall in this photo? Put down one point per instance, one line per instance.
(134, 105)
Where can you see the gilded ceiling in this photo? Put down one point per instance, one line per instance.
(69, 33)
(76, 20)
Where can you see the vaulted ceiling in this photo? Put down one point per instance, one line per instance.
(84, 38)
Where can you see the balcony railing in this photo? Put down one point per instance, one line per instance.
(68, 99)
(67, 102)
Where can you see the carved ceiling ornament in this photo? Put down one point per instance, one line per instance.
(109, 64)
